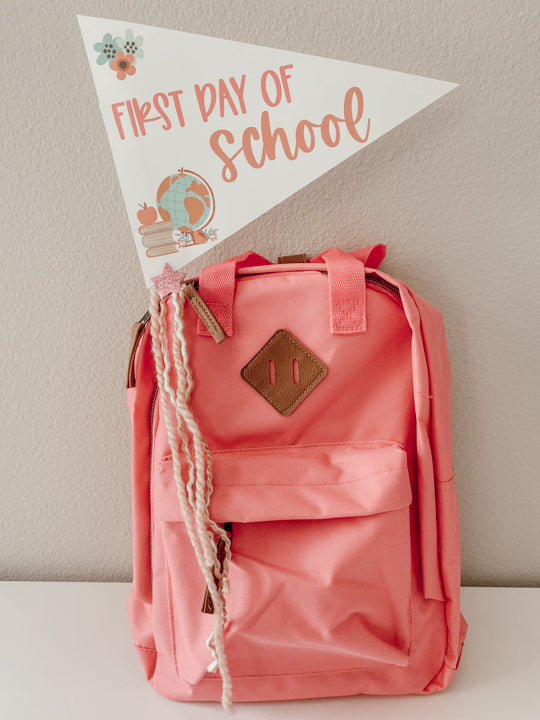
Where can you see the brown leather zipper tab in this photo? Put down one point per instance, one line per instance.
(302, 258)
(136, 332)
(204, 312)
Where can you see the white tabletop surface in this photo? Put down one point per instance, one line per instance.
(66, 654)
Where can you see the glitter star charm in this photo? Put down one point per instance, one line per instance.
(170, 281)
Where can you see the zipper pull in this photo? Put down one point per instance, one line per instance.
(208, 605)
(204, 312)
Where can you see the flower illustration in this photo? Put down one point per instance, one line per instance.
(182, 238)
(130, 45)
(107, 49)
(211, 233)
(123, 65)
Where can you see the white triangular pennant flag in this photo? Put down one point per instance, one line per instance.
(208, 134)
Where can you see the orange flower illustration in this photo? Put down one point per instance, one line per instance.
(123, 65)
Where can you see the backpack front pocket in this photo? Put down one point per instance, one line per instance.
(320, 568)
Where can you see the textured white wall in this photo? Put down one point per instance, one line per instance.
(453, 192)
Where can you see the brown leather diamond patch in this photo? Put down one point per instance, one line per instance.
(284, 372)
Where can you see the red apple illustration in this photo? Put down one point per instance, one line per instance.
(147, 215)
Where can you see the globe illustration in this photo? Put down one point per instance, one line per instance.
(186, 200)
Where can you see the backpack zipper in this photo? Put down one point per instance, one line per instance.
(150, 471)
(384, 284)
(370, 279)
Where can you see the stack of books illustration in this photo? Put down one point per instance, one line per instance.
(158, 239)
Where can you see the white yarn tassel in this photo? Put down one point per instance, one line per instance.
(194, 496)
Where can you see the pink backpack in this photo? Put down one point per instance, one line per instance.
(295, 519)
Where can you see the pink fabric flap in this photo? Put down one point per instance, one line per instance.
(326, 480)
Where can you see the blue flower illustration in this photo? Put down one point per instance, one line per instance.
(107, 49)
(130, 45)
